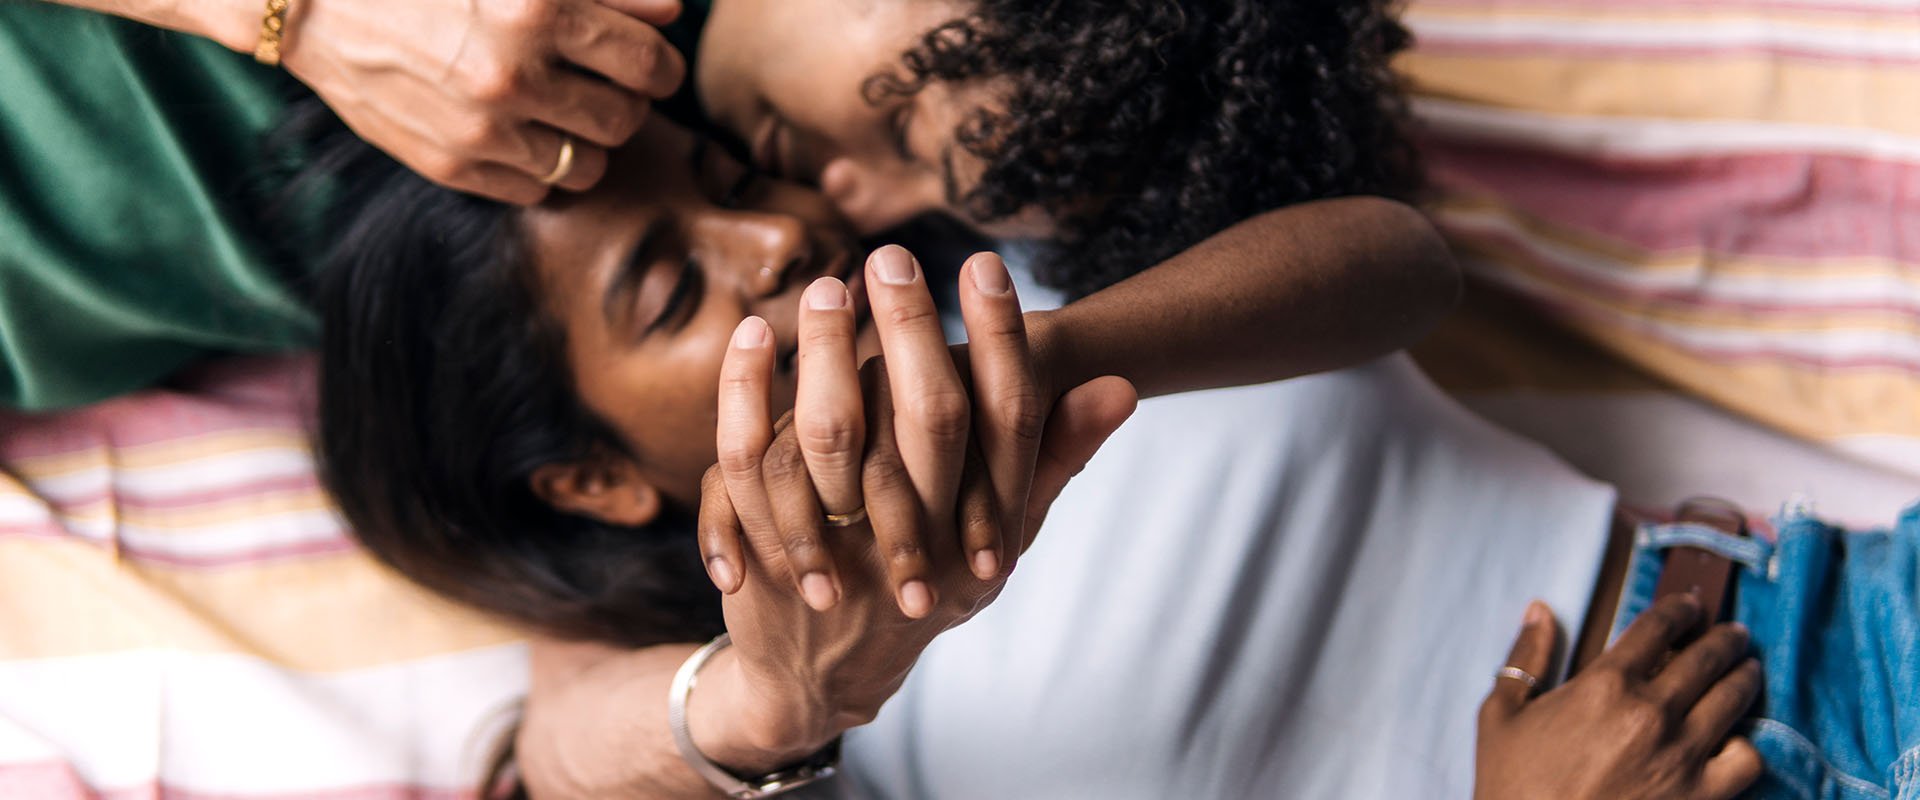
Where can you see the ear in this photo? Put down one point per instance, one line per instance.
(609, 490)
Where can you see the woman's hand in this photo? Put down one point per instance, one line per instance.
(936, 444)
(481, 97)
(812, 669)
(1642, 721)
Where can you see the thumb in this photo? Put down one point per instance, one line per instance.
(1533, 653)
(652, 12)
(1081, 422)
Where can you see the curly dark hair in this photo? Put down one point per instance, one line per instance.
(1143, 127)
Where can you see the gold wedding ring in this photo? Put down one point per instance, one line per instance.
(848, 519)
(565, 164)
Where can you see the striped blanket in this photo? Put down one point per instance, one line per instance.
(182, 615)
(1694, 229)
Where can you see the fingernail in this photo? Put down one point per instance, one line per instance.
(986, 565)
(990, 275)
(751, 333)
(827, 294)
(722, 573)
(818, 591)
(892, 264)
(1740, 628)
(1536, 614)
(916, 599)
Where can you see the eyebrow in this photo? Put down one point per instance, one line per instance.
(616, 304)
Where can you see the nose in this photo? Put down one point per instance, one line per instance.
(764, 252)
(875, 199)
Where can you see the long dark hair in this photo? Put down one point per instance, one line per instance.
(443, 386)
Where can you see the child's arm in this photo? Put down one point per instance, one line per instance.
(1293, 291)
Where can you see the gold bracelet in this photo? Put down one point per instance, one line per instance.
(271, 26)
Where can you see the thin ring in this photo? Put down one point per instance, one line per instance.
(565, 164)
(1517, 674)
(848, 519)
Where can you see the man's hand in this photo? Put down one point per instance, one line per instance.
(1641, 722)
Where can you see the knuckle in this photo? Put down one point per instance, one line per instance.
(882, 481)
(643, 55)
(911, 315)
(738, 459)
(713, 481)
(832, 435)
(1025, 418)
(784, 459)
(529, 16)
(495, 82)
(1643, 720)
(943, 414)
(906, 556)
(801, 547)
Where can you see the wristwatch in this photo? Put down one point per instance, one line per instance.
(818, 767)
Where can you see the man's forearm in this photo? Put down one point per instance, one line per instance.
(1291, 292)
(234, 23)
(596, 724)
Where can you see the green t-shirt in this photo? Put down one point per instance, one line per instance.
(133, 176)
(131, 242)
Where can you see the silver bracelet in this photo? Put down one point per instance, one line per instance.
(817, 768)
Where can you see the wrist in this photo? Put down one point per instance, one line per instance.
(749, 730)
(235, 24)
(1055, 364)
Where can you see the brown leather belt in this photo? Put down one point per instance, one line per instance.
(1706, 574)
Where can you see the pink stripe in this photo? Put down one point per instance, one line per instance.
(56, 780)
(1559, 306)
(1776, 205)
(1730, 6)
(267, 394)
(1674, 300)
(1437, 43)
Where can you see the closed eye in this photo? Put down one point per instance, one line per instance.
(682, 300)
(900, 124)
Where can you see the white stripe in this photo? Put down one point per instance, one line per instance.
(245, 535)
(1889, 288)
(20, 509)
(1641, 137)
(1814, 344)
(212, 472)
(1896, 452)
(1661, 448)
(1851, 43)
(222, 723)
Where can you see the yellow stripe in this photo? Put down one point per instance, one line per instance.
(1732, 88)
(1515, 256)
(162, 454)
(323, 614)
(1805, 401)
(186, 520)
